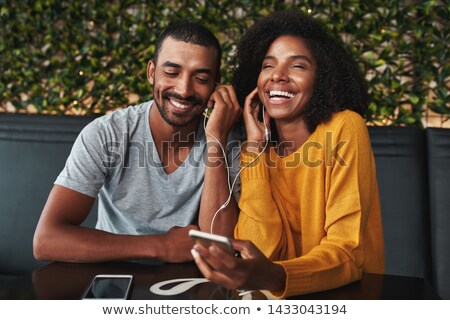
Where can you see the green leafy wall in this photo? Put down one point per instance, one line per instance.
(89, 57)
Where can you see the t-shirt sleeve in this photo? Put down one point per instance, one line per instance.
(86, 167)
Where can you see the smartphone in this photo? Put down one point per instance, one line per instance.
(208, 238)
(109, 286)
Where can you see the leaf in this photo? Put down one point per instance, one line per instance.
(439, 108)
(413, 98)
(380, 62)
(401, 47)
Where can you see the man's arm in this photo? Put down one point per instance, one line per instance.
(215, 190)
(215, 194)
(59, 236)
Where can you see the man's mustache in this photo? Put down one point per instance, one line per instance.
(193, 99)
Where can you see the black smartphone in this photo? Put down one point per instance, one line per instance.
(109, 286)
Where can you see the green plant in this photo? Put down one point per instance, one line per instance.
(89, 57)
(403, 49)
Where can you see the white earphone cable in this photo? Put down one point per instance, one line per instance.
(230, 188)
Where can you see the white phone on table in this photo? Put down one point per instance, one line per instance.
(109, 286)
(208, 238)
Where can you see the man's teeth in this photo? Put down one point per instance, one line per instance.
(277, 93)
(179, 105)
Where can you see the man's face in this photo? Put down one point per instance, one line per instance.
(183, 79)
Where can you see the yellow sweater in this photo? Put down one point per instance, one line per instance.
(316, 212)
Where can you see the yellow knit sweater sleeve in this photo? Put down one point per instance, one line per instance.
(320, 246)
(259, 220)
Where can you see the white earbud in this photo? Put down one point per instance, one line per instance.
(266, 130)
(266, 135)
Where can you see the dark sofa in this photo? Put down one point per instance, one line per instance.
(33, 150)
(412, 171)
(414, 178)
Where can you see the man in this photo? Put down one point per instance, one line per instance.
(149, 164)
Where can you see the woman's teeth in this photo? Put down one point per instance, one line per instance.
(277, 95)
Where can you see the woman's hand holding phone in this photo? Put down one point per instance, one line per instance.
(252, 271)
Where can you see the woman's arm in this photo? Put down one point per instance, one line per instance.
(259, 219)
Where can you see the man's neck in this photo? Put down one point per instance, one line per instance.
(173, 144)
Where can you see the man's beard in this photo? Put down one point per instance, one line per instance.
(182, 121)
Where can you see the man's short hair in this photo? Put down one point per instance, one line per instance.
(192, 33)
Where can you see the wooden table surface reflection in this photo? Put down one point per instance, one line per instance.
(69, 280)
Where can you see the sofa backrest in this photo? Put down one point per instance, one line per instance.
(33, 151)
(401, 164)
(438, 142)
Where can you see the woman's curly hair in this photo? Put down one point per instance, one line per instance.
(338, 83)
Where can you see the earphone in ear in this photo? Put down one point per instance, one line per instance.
(207, 112)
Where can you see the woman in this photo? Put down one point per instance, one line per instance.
(309, 207)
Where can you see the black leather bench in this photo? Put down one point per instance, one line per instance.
(413, 172)
(412, 169)
(33, 150)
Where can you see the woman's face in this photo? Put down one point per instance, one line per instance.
(286, 79)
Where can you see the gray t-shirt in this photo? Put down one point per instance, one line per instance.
(115, 158)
